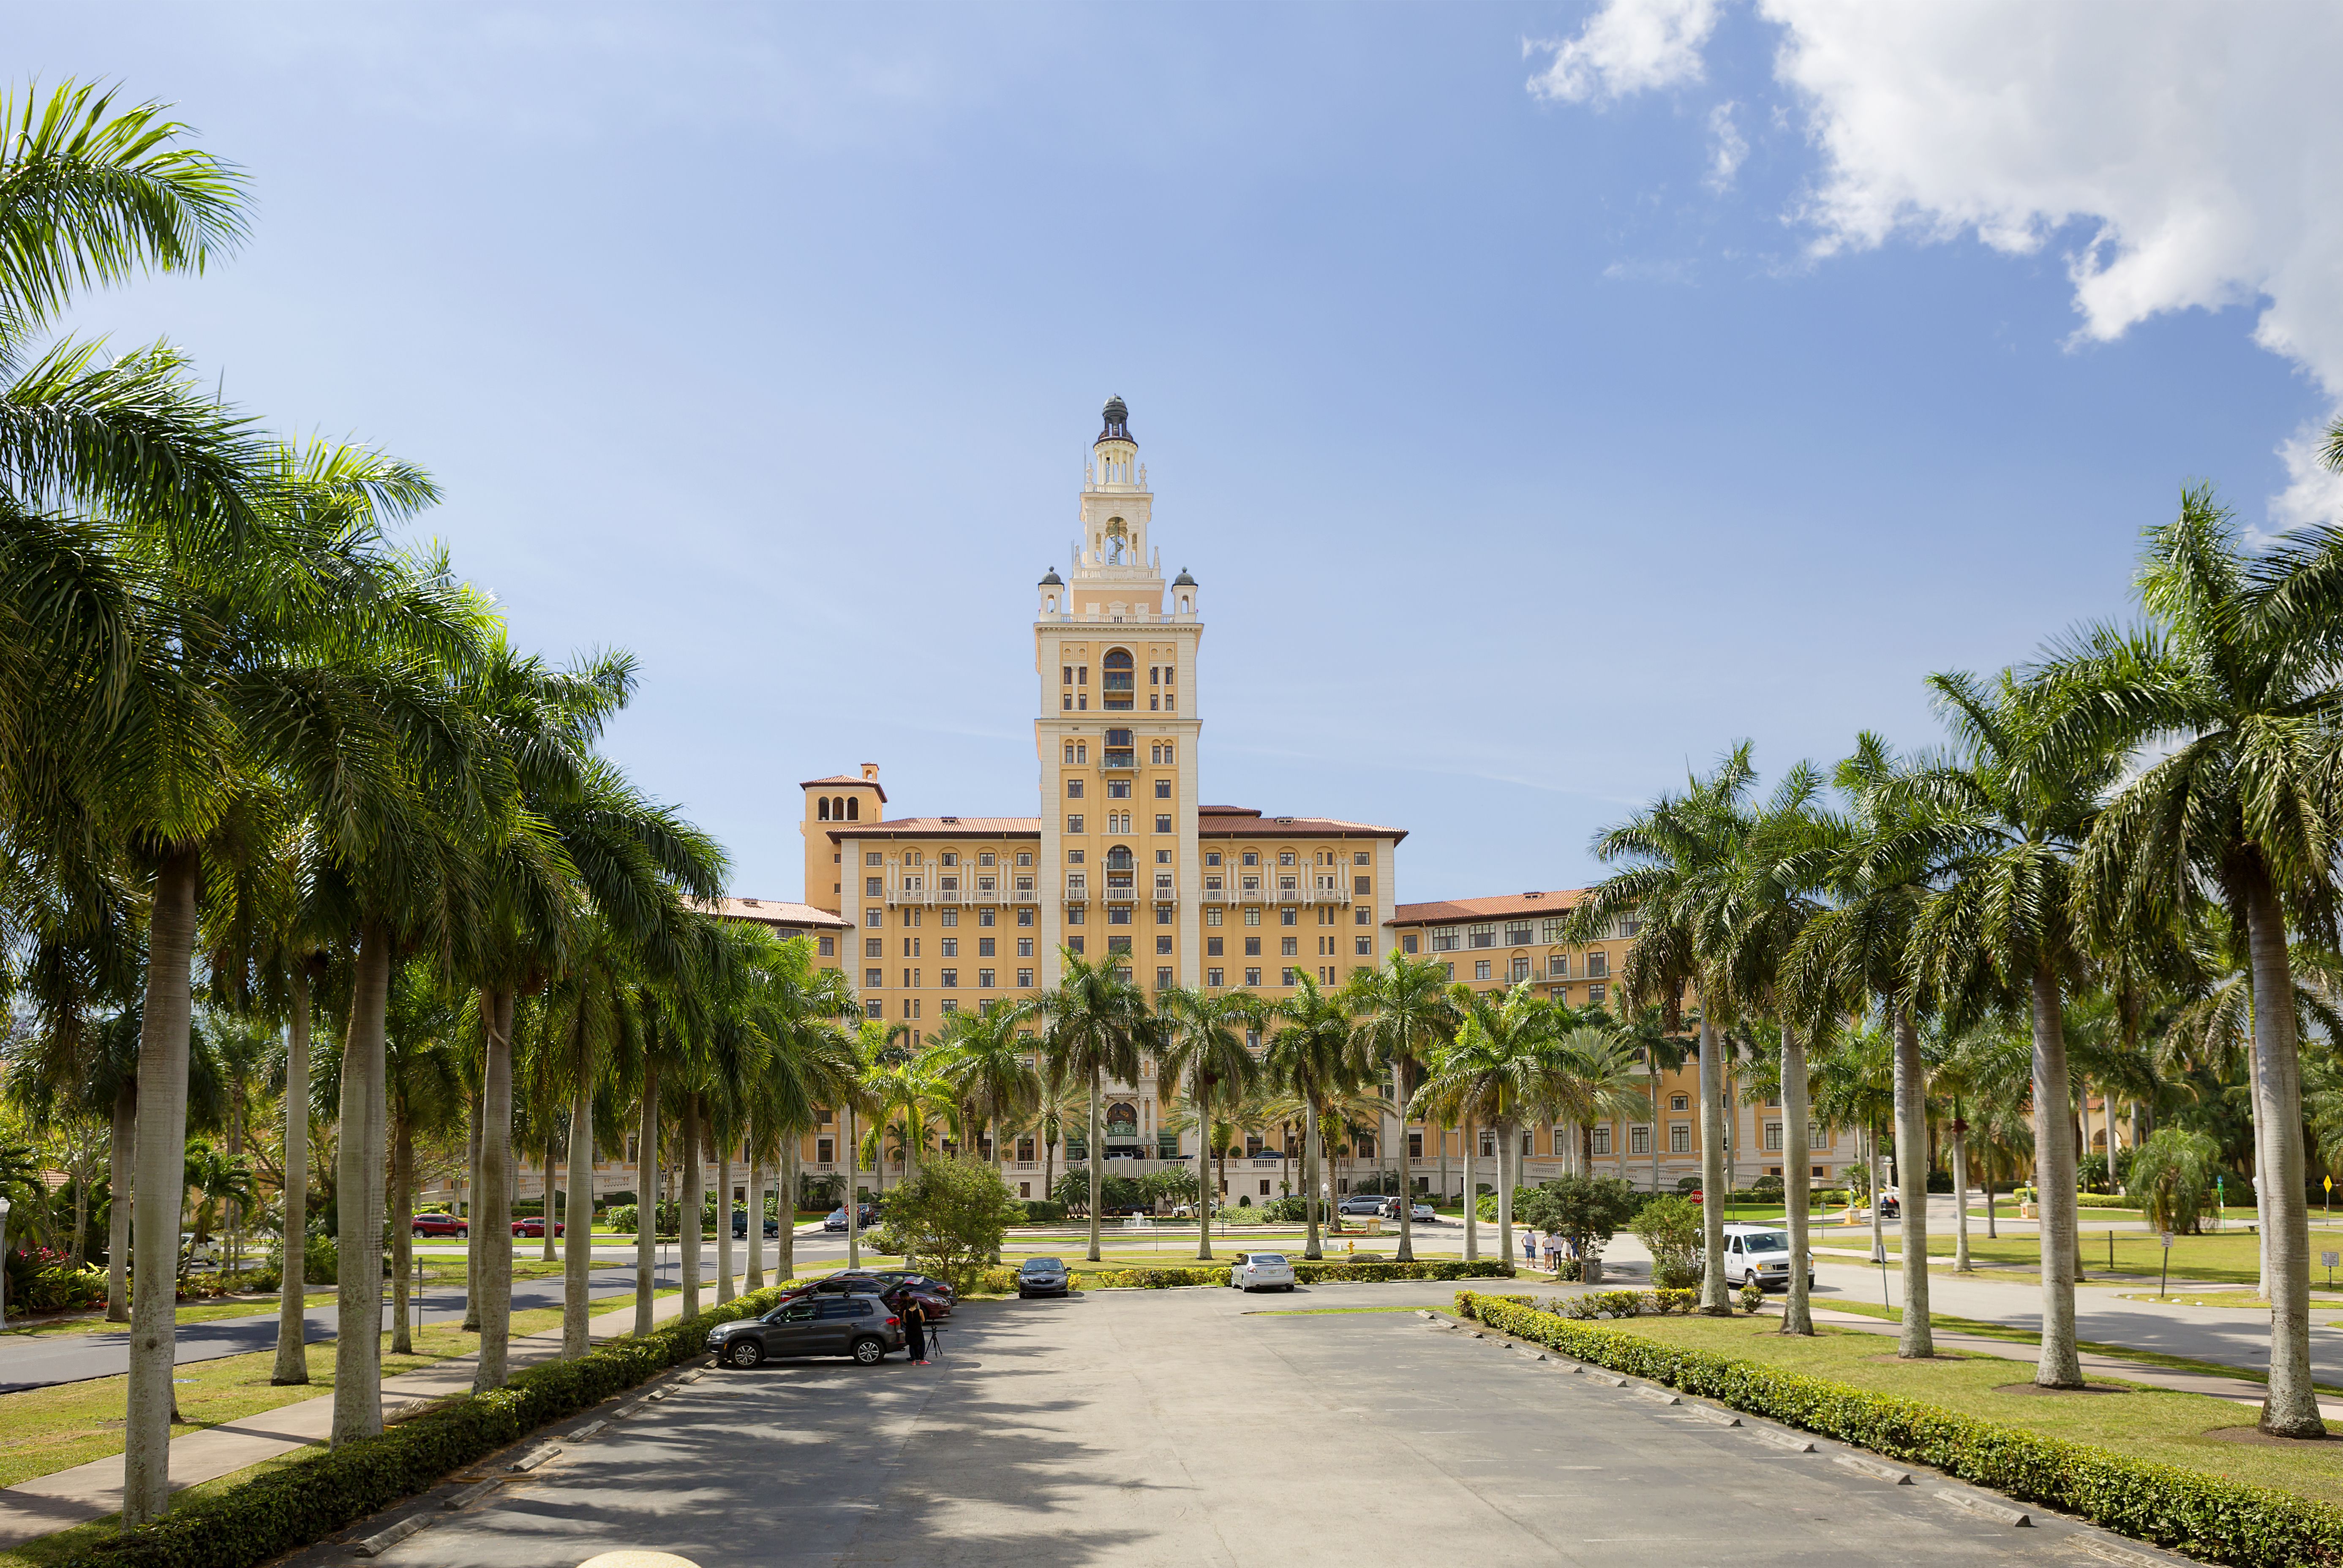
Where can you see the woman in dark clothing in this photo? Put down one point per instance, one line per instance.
(915, 1330)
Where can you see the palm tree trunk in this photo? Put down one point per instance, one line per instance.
(1711, 1169)
(578, 1259)
(1991, 1231)
(357, 1339)
(853, 1195)
(546, 1253)
(492, 1225)
(1472, 1197)
(1797, 1187)
(757, 1221)
(161, 1167)
(1509, 1164)
(1310, 1176)
(402, 1236)
(724, 1290)
(2054, 1186)
(647, 1196)
(1406, 1253)
(472, 1217)
(1443, 1135)
(1912, 1170)
(1960, 1193)
(292, 1358)
(695, 1183)
(1095, 1151)
(785, 1206)
(1203, 1186)
(1651, 1061)
(120, 1189)
(2291, 1409)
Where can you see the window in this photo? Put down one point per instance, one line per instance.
(1164, 821)
(1594, 996)
(1212, 915)
(1252, 977)
(1074, 824)
(1288, 946)
(1480, 969)
(873, 915)
(1407, 943)
(1484, 936)
(1252, 947)
(1118, 944)
(873, 857)
(1445, 940)
(1211, 857)
(1520, 967)
(1639, 1140)
(984, 980)
(1252, 857)
(874, 947)
(873, 1010)
(910, 979)
(1118, 789)
(1164, 789)
(1286, 857)
(1598, 964)
(874, 887)
(1603, 1141)
(985, 947)
(951, 945)
(1448, 972)
(1025, 979)
(1364, 946)
(1773, 1138)
(829, 947)
(1212, 946)
(985, 917)
(1213, 977)
(1253, 914)
(1362, 887)
(1361, 916)
(1488, 1144)
(1024, 946)
(824, 1151)
(1289, 916)
(1025, 856)
(1678, 1103)
(1116, 685)
(1557, 964)
(1162, 856)
(1025, 917)
(1517, 936)
(1073, 789)
(1680, 1138)
(911, 947)
(1551, 930)
(1162, 977)
(874, 979)
(948, 1006)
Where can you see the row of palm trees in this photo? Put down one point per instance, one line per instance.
(2145, 815)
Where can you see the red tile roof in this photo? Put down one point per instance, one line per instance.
(1253, 825)
(774, 912)
(844, 778)
(1435, 912)
(942, 828)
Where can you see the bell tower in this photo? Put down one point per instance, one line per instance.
(1115, 733)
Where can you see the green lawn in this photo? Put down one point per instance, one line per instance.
(2228, 1258)
(2151, 1423)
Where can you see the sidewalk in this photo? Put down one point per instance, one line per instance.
(94, 1490)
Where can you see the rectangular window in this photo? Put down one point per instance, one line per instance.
(1253, 914)
(1213, 977)
(1289, 947)
(1024, 946)
(1363, 946)
(985, 947)
(1557, 964)
(985, 917)
(1252, 977)
(1445, 940)
(948, 1006)
(1025, 917)
(1415, 1145)
(1164, 821)
(1517, 936)
(1025, 979)
(872, 1010)
(874, 979)
(1361, 887)
(1678, 1103)
(951, 945)
(1484, 936)
(1118, 914)
(1594, 994)
(1073, 824)
(829, 947)
(1598, 965)
(1680, 1138)
(874, 858)
(1550, 930)
(1480, 969)
(1639, 1140)
(874, 947)
(1073, 789)
(1603, 1141)
(1252, 947)
(1164, 789)
(947, 979)
(1520, 967)
(824, 1151)
(874, 887)
(1163, 976)
(1118, 944)
(1162, 947)
(1074, 943)
(1118, 789)
(1212, 946)
(1407, 943)
(984, 980)
(1773, 1138)
(1212, 916)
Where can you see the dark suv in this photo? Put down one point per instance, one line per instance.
(894, 1286)
(863, 1327)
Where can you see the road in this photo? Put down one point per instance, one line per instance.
(39, 1361)
(1195, 1426)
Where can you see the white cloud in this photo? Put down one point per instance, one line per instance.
(1627, 47)
(1727, 149)
(2184, 151)
(2314, 493)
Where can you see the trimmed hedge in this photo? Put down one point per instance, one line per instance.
(310, 1498)
(2203, 1515)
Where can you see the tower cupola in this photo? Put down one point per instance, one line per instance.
(1114, 455)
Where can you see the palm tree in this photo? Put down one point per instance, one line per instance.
(1853, 1079)
(1096, 1025)
(1203, 1057)
(423, 1078)
(2235, 666)
(989, 1065)
(1406, 1014)
(1059, 1106)
(1315, 1055)
(1974, 1069)
(1881, 867)
(1503, 1068)
(1678, 852)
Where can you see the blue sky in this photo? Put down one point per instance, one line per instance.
(1546, 395)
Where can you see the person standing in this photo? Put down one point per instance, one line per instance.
(915, 1328)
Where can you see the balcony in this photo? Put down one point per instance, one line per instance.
(1078, 889)
(1119, 759)
(1024, 894)
(1165, 893)
(897, 893)
(1121, 890)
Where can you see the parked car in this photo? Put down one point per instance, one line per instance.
(837, 1221)
(861, 1326)
(440, 1225)
(741, 1224)
(1042, 1277)
(1762, 1253)
(1425, 1214)
(1359, 1203)
(894, 1286)
(1262, 1271)
(534, 1226)
(934, 1295)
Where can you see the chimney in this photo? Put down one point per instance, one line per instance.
(871, 773)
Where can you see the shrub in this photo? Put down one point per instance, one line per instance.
(952, 1214)
(1043, 1211)
(1670, 1227)
(1687, 1183)
(2207, 1516)
(1767, 1187)
(321, 1260)
(1752, 1295)
(622, 1217)
(1285, 1210)
(310, 1498)
(2173, 1177)
(1586, 1209)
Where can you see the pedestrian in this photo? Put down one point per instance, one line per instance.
(915, 1328)
(1529, 1246)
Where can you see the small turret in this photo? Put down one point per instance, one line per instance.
(1052, 589)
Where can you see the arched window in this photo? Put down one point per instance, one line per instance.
(823, 814)
(1119, 857)
(854, 807)
(1118, 678)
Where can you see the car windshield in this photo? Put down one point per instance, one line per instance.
(1765, 1242)
(1042, 1265)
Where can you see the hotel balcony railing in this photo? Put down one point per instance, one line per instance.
(1275, 895)
(1119, 758)
(1078, 891)
(897, 894)
(1121, 892)
(1024, 895)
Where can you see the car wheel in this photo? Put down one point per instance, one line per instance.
(744, 1352)
(869, 1352)
(422, 1235)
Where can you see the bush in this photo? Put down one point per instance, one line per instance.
(1586, 1209)
(951, 1215)
(321, 1260)
(1285, 1210)
(1766, 1186)
(1670, 1229)
(41, 1281)
(622, 1217)
(2207, 1516)
(1043, 1211)
(311, 1497)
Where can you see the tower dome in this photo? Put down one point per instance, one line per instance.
(1117, 423)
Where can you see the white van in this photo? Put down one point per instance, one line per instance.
(1761, 1252)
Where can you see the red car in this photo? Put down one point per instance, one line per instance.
(440, 1225)
(534, 1226)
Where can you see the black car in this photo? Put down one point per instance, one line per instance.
(868, 1219)
(1042, 1277)
(741, 1224)
(861, 1326)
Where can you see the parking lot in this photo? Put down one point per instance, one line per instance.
(1204, 1426)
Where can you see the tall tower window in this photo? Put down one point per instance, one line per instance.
(822, 814)
(1117, 678)
(854, 807)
